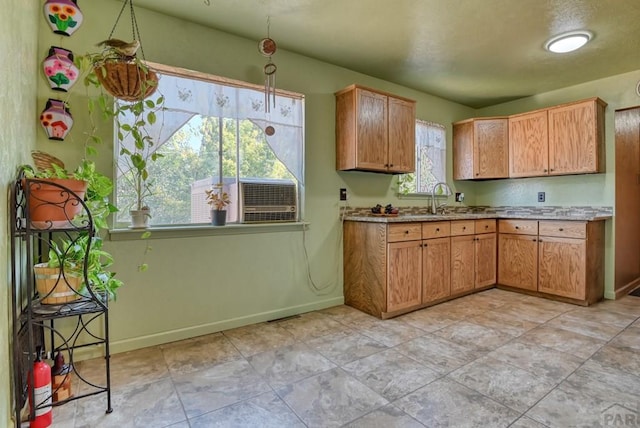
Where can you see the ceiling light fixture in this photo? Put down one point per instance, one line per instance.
(568, 42)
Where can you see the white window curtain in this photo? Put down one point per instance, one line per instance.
(431, 151)
(185, 98)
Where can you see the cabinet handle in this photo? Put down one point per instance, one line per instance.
(437, 229)
(406, 232)
(561, 229)
(464, 227)
(544, 170)
(390, 164)
(551, 169)
(534, 239)
(486, 226)
(539, 240)
(517, 227)
(477, 173)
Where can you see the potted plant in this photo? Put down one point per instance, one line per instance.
(62, 279)
(218, 199)
(51, 206)
(133, 111)
(59, 280)
(120, 72)
(63, 274)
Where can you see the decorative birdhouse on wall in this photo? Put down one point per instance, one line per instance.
(56, 120)
(59, 69)
(64, 16)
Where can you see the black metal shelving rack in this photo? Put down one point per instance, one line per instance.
(66, 327)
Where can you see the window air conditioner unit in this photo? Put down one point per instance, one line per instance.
(268, 201)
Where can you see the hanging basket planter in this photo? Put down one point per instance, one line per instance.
(127, 81)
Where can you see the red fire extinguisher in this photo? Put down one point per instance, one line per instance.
(41, 393)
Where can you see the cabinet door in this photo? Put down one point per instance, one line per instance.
(404, 275)
(491, 148)
(574, 145)
(436, 269)
(463, 151)
(372, 131)
(462, 263)
(562, 268)
(528, 145)
(485, 259)
(518, 261)
(402, 135)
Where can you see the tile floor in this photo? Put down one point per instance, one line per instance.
(493, 359)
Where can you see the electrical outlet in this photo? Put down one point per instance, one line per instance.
(343, 194)
(541, 196)
(459, 197)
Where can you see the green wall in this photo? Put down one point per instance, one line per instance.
(18, 44)
(198, 285)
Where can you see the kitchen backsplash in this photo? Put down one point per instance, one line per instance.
(551, 211)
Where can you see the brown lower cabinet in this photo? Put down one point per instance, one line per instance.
(473, 255)
(390, 269)
(518, 254)
(404, 286)
(563, 259)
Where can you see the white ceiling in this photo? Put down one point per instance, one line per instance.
(475, 52)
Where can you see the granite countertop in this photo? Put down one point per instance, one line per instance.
(466, 213)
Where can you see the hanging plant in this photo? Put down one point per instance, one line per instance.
(121, 73)
(119, 69)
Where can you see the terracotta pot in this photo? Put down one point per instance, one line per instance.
(54, 286)
(54, 205)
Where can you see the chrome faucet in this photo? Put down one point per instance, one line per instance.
(434, 209)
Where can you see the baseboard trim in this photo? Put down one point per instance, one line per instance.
(139, 342)
(626, 289)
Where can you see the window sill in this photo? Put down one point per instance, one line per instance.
(198, 231)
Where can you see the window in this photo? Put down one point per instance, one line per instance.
(212, 130)
(431, 160)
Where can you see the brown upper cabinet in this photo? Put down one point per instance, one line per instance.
(481, 148)
(560, 140)
(566, 139)
(576, 138)
(528, 144)
(375, 131)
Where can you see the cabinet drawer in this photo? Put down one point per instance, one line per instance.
(436, 229)
(463, 227)
(519, 227)
(404, 232)
(564, 229)
(485, 226)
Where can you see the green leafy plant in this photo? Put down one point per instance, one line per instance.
(71, 254)
(405, 184)
(132, 115)
(99, 188)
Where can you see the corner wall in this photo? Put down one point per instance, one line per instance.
(18, 45)
(588, 189)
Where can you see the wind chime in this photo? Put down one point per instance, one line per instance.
(267, 48)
